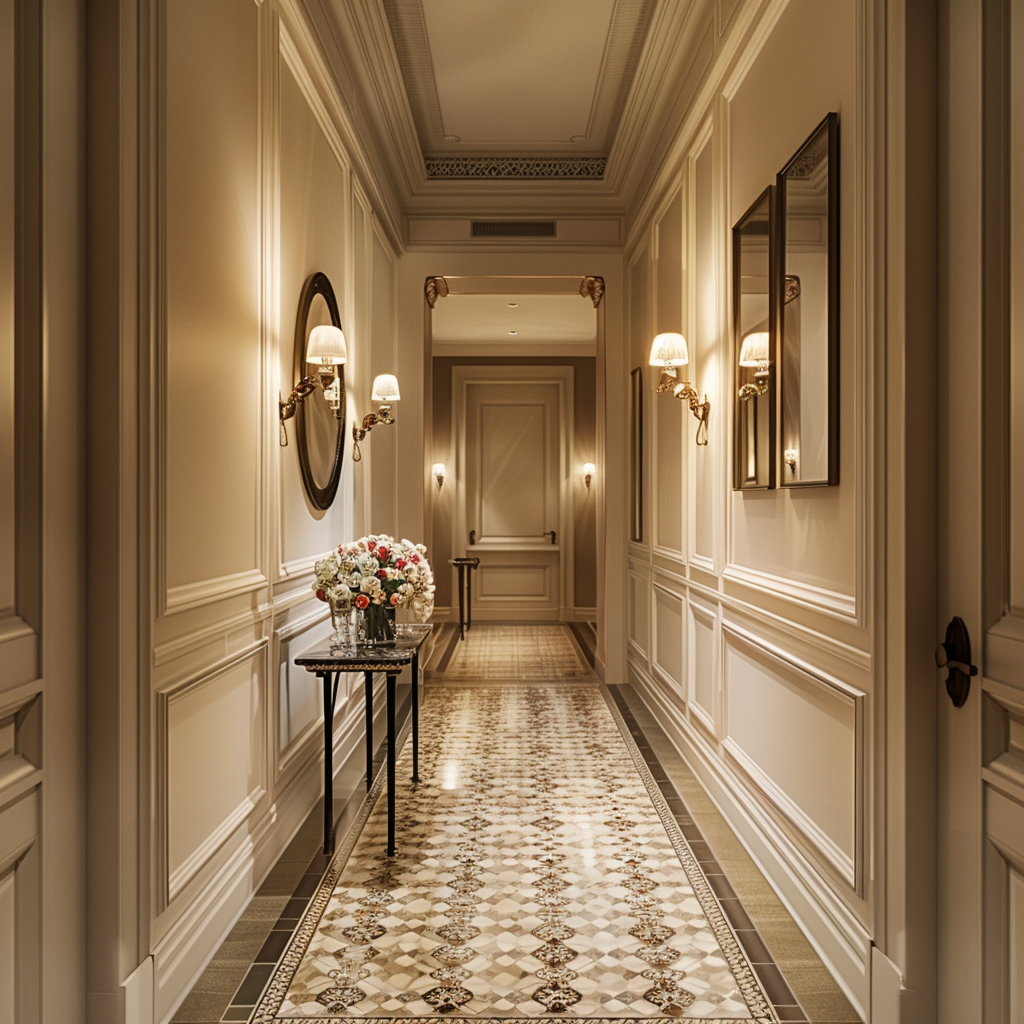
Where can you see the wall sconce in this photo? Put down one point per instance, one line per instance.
(754, 353)
(326, 349)
(669, 351)
(589, 469)
(385, 392)
(439, 474)
(790, 458)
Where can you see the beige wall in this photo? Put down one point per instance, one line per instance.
(751, 628)
(253, 190)
(584, 441)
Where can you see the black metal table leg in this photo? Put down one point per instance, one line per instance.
(392, 677)
(462, 591)
(416, 716)
(330, 684)
(368, 686)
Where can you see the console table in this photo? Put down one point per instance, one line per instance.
(328, 662)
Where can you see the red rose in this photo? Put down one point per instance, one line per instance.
(321, 595)
(371, 544)
(415, 559)
(381, 574)
(382, 554)
(400, 564)
(362, 600)
(395, 599)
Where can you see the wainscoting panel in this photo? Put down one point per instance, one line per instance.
(21, 901)
(215, 760)
(798, 738)
(703, 678)
(669, 642)
(640, 612)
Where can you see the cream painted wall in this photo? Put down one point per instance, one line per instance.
(750, 612)
(251, 172)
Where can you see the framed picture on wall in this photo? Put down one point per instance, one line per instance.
(636, 453)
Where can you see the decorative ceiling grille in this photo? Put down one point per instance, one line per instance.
(589, 168)
(513, 229)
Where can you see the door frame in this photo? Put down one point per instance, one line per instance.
(563, 377)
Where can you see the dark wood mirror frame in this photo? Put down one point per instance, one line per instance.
(823, 141)
(636, 454)
(754, 418)
(321, 495)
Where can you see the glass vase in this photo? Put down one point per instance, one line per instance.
(339, 621)
(378, 625)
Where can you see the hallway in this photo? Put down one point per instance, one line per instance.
(547, 863)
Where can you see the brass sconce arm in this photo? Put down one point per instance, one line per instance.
(370, 420)
(323, 381)
(686, 392)
(759, 387)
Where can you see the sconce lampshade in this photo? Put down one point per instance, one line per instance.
(385, 388)
(327, 344)
(589, 469)
(754, 350)
(669, 350)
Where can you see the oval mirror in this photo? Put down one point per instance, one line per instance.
(319, 429)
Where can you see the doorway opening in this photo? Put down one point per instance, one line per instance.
(515, 419)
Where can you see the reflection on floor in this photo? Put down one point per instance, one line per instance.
(543, 833)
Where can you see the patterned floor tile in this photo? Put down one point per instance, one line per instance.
(539, 871)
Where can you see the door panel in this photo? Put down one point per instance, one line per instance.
(511, 427)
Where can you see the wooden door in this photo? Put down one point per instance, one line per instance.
(981, 517)
(511, 475)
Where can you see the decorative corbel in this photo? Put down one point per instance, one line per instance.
(593, 288)
(435, 288)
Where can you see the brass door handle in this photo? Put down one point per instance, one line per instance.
(552, 535)
(472, 536)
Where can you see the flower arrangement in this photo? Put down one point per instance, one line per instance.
(377, 570)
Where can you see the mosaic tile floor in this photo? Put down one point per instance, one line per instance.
(517, 652)
(539, 870)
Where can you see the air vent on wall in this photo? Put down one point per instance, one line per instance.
(513, 229)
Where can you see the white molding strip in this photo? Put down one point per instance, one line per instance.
(216, 588)
(831, 602)
(535, 350)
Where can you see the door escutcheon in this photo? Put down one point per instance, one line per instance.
(472, 536)
(955, 654)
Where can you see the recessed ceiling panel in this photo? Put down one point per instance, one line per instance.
(508, 321)
(517, 72)
(540, 83)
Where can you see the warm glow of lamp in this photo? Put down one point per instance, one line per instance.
(439, 474)
(754, 350)
(589, 469)
(669, 349)
(327, 346)
(385, 388)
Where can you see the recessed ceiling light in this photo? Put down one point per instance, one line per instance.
(512, 305)
(513, 332)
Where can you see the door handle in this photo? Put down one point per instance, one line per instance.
(472, 536)
(552, 535)
(954, 653)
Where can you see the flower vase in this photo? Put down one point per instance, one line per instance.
(378, 625)
(339, 621)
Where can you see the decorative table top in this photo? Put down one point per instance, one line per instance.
(366, 657)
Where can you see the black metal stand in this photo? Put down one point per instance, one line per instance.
(328, 664)
(465, 592)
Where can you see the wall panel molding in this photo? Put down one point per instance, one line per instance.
(848, 864)
(172, 882)
(831, 602)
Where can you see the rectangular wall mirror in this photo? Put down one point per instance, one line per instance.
(808, 193)
(754, 345)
